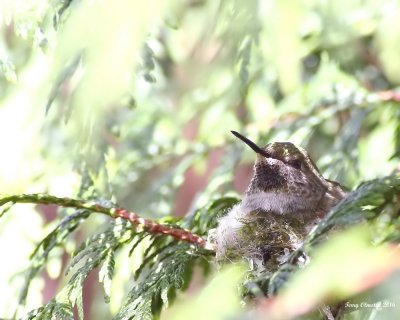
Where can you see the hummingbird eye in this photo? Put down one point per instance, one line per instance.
(295, 163)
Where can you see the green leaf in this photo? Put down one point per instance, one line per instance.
(106, 273)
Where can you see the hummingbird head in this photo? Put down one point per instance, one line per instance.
(285, 169)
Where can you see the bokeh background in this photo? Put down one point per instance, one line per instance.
(139, 98)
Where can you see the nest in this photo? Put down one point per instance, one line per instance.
(265, 239)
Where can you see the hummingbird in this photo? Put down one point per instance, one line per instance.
(287, 196)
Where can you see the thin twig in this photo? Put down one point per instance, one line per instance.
(114, 212)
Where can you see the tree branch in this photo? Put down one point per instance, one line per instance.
(114, 212)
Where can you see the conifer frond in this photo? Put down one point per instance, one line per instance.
(53, 311)
(158, 287)
(63, 5)
(107, 208)
(99, 249)
(204, 219)
(148, 64)
(365, 203)
(193, 70)
(397, 135)
(167, 264)
(52, 240)
(5, 208)
(106, 273)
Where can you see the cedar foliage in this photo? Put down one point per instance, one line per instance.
(127, 80)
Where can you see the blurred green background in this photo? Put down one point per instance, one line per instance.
(141, 97)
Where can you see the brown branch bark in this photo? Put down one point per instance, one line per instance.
(114, 212)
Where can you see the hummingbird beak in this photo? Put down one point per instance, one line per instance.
(251, 144)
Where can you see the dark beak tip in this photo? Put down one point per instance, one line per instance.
(250, 143)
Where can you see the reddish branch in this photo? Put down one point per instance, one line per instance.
(148, 225)
(389, 96)
(154, 227)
